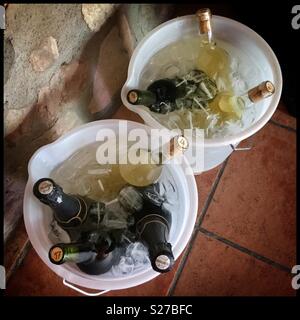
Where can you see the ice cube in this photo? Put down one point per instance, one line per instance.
(125, 267)
(115, 217)
(130, 199)
(112, 221)
(57, 234)
(139, 253)
(171, 71)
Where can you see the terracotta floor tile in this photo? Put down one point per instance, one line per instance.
(126, 114)
(14, 247)
(215, 269)
(255, 201)
(205, 183)
(282, 116)
(34, 278)
(14, 186)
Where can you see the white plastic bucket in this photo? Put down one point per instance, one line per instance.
(37, 216)
(216, 150)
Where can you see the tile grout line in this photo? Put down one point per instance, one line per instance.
(20, 258)
(211, 194)
(244, 250)
(195, 231)
(283, 126)
(182, 263)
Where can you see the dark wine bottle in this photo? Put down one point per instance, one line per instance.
(152, 224)
(74, 213)
(160, 96)
(96, 254)
(164, 89)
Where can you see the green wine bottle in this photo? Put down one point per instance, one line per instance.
(141, 97)
(159, 97)
(95, 254)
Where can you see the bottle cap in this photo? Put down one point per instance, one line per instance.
(162, 262)
(132, 96)
(204, 16)
(45, 187)
(181, 142)
(162, 258)
(56, 254)
(263, 90)
(178, 144)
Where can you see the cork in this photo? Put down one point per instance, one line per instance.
(132, 96)
(263, 90)
(178, 145)
(204, 17)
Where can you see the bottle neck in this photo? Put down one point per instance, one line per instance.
(72, 252)
(176, 146)
(258, 93)
(206, 38)
(153, 230)
(94, 244)
(69, 210)
(141, 97)
(204, 19)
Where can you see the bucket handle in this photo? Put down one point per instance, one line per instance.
(249, 147)
(67, 284)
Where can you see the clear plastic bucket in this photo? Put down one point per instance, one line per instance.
(37, 216)
(216, 150)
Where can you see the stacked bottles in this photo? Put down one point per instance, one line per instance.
(91, 249)
(94, 246)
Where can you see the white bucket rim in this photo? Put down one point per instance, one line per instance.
(131, 280)
(235, 138)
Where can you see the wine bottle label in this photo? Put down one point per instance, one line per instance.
(78, 218)
(45, 187)
(151, 218)
(56, 254)
(162, 262)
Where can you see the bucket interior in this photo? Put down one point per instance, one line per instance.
(256, 57)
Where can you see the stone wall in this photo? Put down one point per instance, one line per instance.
(64, 65)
